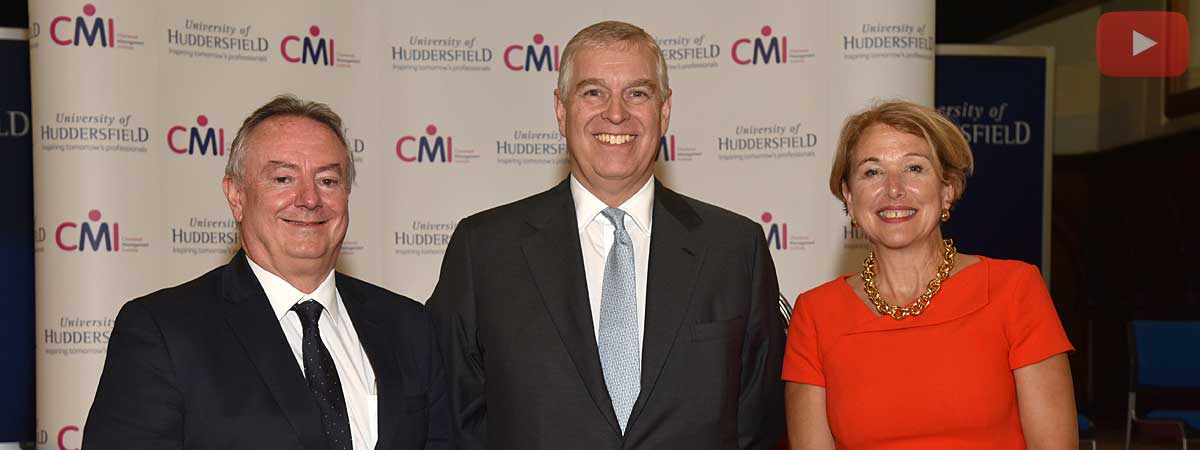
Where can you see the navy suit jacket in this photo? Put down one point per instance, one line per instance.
(515, 324)
(205, 365)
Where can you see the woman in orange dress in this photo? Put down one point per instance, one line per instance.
(927, 348)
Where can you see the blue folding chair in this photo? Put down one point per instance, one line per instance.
(1164, 381)
(1087, 433)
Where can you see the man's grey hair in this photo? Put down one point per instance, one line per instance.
(286, 105)
(610, 34)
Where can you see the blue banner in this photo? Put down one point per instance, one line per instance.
(16, 245)
(998, 97)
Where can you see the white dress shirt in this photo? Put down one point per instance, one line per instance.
(596, 238)
(338, 334)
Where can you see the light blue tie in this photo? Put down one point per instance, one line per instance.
(620, 353)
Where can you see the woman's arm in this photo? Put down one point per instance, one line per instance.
(1046, 401)
(807, 424)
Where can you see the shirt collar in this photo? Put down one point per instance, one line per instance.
(640, 207)
(283, 295)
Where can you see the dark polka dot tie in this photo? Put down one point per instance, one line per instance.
(323, 378)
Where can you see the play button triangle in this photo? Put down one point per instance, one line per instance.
(1141, 43)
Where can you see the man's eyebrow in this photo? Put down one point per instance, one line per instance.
(644, 82)
(277, 164)
(588, 81)
(273, 164)
(334, 166)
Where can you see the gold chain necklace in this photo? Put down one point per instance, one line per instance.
(922, 302)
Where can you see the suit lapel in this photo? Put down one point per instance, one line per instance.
(553, 254)
(376, 343)
(253, 321)
(675, 259)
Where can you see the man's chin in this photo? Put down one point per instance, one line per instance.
(309, 255)
(625, 175)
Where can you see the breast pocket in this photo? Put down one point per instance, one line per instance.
(719, 329)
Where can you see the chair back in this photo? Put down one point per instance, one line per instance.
(1165, 355)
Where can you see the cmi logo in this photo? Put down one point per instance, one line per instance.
(777, 233)
(666, 148)
(89, 30)
(429, 148)
(765, 49)
(779, 238)
(536, 57)
(91, 234)
(200, 138)
(671, 149)
(314, 49)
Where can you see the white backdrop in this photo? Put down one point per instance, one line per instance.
(135, 103)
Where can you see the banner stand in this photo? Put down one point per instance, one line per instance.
(1003, 99)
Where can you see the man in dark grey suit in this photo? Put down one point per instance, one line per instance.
(566, 326)
(275, 350)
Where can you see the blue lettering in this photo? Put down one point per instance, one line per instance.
(209, 139)
(774, 238)
(86, 237)
(664, 150)
(96, 31)
(533, 59)
(434, 153)
(317, 52)
(766, 51)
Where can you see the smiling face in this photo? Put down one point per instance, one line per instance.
(893, 189)
(291, 202)
(612, 118)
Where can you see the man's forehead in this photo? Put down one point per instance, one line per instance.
(276, 124)
(291, 142)
(280, 130)
(617, 50)
(633, 65)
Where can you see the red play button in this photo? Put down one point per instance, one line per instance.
(1142, 44)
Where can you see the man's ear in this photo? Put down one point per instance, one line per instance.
(235, 196)
(666, 113)
(560, 111)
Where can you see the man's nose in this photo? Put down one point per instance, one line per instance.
(307, 196)
(616, 112)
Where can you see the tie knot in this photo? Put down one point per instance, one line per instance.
(616, 216)
(309, 312)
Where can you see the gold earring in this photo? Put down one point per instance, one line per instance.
(945, 215)
(853, 223)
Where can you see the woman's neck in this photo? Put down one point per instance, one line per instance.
(902, 274)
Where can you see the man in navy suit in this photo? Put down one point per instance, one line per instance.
(610, 312)
(275, 350)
